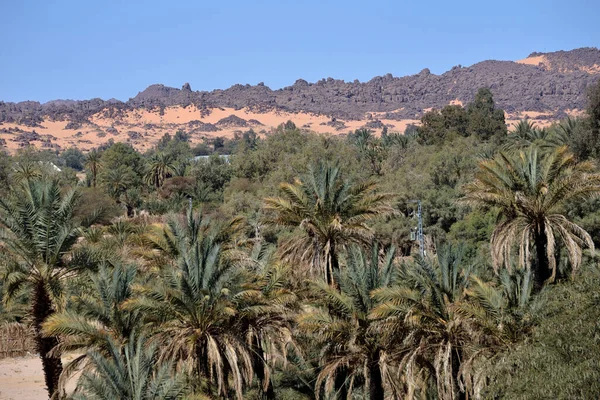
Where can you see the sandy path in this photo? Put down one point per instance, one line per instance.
(22, 378)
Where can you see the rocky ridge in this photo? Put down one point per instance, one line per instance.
(555, 84)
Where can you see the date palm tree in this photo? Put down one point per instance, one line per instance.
(165, 243)
(37, 236)
(96, 321)
(425, 317)
(92, 162)
(505, 306)
(329, 214)
(26, 171)
(160, 167)
(266, 309)
(129, 371)
(352, 349)
(119, 183)
(531, 189)
(193, 313)
(526, 134)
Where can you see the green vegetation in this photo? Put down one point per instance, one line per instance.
(287, 270)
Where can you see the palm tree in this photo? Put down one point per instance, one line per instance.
(13, 311)
(96, 321)
(180, 168)
(503, 311)
(506, 306)
(118, 183)
(266, 309)
(129, 371)
(361, 138)
(351, 347)
(425, 318)
(523, 128)
(396, 139)
(531, 189)
(566, 129)
(92, 162)
(166, 242)
(526, 134)
(330, 214)
(26, 171)
(160, 167)
(193, 313)
(38, 234)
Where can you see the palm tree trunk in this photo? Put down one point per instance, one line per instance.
(52, 365)
(333, 267)
(375, 380)
(340, 385)
(203, 368)
(259, 368)
(541, 272)
(456, 357)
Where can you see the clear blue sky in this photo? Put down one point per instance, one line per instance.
(84, 49)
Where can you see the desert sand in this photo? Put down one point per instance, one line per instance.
(535, 61)
(147, 127)
(143, 128)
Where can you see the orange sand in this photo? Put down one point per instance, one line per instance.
(535, 61)
(95, 132)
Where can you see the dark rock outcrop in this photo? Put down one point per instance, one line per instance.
(205, 127)
(73, 125)
(374, 124)
(232, 120)
(255, 122)
(556, 85)
(133, 135)
(112, 130)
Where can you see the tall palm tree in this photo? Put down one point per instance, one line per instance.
(119, 183)
(266, 309)
(96, 321)
(129, 371)
(160, 167)
(193, 312)
(352, 349)
(92, 162)
(425, 317)
(38, 233)
(329, 212)
(531, 189)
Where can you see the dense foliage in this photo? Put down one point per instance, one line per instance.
(283, 266)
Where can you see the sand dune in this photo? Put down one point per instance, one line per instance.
(535, 61)
(143, 128)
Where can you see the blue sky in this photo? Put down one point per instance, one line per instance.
(79, 50)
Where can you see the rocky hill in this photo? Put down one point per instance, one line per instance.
(543, 86)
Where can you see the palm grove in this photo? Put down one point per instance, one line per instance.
(288, 271)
